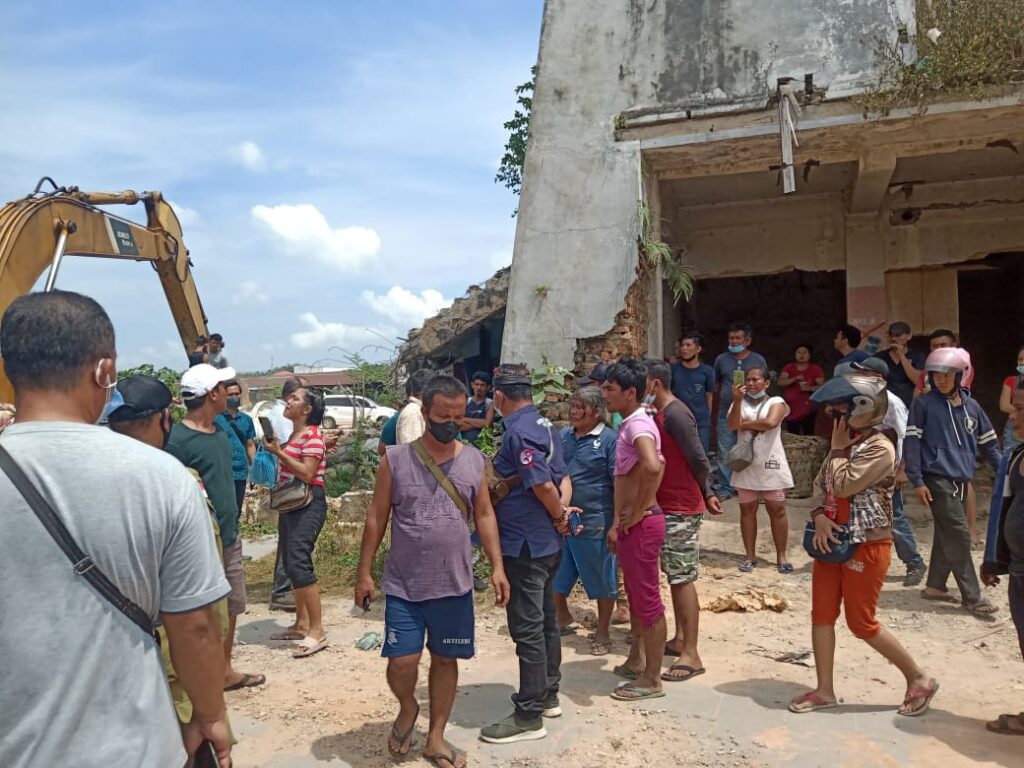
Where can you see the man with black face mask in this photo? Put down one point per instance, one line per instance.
(431, 487)
(242, 433)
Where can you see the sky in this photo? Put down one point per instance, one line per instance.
(332, 163)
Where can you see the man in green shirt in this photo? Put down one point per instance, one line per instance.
(200, 444)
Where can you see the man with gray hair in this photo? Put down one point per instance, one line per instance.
(589, 448)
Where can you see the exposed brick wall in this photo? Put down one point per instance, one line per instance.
(628, 336)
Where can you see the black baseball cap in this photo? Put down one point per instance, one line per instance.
(596, 376)
(141, 396)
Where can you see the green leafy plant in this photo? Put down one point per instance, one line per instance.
(541, 290)
(489, 439)
(169, 377)
(510, 171)
(549, 379)
(359, 467)
(978, 53)
(658, 253)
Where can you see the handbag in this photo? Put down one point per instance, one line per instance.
(290, 495)
(82, 564)
(741, 455)
(840, 552)
(264, 468)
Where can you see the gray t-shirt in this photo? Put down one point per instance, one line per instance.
(80, 684)
(217, 359)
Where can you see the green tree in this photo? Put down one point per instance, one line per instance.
(510, 172)
(169, 377)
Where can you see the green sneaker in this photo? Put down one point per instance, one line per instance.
(551, 707)
(512, 729)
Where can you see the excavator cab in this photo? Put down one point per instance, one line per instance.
(38, 231)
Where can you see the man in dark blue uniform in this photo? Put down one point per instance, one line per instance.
(532, 518)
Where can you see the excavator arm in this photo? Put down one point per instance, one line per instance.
(40, 230)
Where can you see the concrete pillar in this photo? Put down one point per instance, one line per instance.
(865, 273)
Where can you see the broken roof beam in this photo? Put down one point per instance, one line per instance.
(874, 174)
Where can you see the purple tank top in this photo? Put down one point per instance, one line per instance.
(430, 553)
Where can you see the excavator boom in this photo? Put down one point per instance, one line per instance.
(38, 231)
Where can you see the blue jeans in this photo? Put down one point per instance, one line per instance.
(903, 535)
(726, 441)
(705, 436)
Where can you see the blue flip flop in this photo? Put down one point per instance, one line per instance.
(748, 566)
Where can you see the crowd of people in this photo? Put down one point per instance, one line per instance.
(150, 558)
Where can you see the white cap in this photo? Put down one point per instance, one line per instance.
(200, 379)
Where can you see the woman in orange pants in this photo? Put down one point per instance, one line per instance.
(856, 484)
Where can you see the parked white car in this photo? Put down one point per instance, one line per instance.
(342, 411)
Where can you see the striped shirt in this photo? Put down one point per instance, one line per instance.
(309, 443)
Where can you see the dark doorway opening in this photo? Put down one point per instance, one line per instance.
(991, 324)
(785, 310)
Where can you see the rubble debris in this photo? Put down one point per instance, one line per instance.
(747, 600)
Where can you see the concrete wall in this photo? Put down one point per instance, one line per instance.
(576, 230)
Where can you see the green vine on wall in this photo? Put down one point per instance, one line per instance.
(975, 50)
(658, 253)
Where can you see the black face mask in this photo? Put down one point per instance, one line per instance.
(443, 431)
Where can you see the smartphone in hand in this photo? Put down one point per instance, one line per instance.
(575, 522)
(206, 756)
(267, 427)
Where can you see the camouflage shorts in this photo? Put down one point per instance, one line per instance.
(681, 548)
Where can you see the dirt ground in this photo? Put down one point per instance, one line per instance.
(335, 708)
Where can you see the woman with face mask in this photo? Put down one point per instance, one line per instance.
(304, 456)
(758, 417)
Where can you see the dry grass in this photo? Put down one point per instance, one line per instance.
(335, 561)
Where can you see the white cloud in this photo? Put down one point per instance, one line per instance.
(249, 155)
(403, 307)
(249, 292)
(304, 232)
(321, 334)
(187, 217)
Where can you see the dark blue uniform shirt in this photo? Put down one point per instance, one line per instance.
(532, 449)
(475, 410)
(691, 385)
(590, 461)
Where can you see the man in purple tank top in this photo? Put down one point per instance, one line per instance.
(428, 575)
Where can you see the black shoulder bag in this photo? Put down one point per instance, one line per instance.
(80, 562)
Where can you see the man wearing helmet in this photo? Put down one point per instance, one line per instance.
(946, 430)
(854, 488)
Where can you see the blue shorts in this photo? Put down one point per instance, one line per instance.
(587, 560)
(447, 623)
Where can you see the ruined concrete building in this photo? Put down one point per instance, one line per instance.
(465, 337)
(691, 106)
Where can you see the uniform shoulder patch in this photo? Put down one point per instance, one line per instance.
(526, 457)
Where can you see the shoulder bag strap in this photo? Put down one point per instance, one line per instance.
(238, 432)
(440, 476)
(81, 562)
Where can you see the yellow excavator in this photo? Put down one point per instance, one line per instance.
(39, 230)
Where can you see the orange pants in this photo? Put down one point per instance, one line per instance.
(856, 585)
